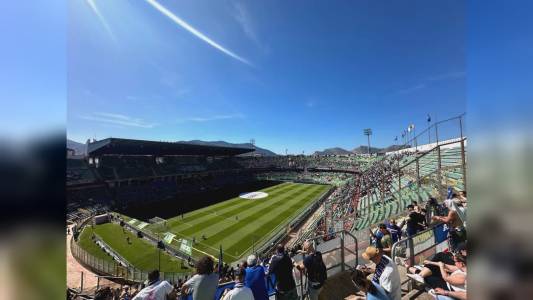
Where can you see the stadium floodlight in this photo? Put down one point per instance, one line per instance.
(368, 133)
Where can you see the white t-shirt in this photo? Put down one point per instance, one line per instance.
(390, 280)
(156, 291)
(239, 292)
(203, 286)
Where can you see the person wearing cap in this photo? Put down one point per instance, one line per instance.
(255, 278)
(385, 272)
(372, 290)
(239, 291)
(281, 266)
(204, 283)
(156, 289)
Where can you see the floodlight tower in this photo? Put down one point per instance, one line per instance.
(368, 133)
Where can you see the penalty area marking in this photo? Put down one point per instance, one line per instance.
(253, 195)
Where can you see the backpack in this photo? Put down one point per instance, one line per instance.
(319, 273)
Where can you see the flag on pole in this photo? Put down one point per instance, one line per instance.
(396, 138)
(220, 261)
(429, 118)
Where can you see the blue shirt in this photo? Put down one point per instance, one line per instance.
(379, 295)
(255, 280)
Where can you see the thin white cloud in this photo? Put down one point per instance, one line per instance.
(118, 119)
(310, 103)
(195, 32)
(242, 17)
(446, 76)
(213, 118)
(411, 89)
(96, 11)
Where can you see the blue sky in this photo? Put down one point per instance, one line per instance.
(299, 75)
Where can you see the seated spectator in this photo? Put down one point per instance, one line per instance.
(204, 284)
(372, 290)
(431, 273)
(156, 289)
(255, 278)
(281, 265)
(385, 272)
(239, 292)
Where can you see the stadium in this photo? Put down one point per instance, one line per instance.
(138, 205)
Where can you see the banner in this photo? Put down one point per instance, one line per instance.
(185, 246)
(142, 225)
(132, 221)
(168, 237)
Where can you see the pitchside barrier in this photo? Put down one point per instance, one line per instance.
(112, 268)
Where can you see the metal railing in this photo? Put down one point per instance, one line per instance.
(339, 254)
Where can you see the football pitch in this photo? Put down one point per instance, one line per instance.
(238, 225)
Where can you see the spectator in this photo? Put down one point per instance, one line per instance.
(431, 273)
(255, 278)
(239, 292)
(415, 221)
(204, 284)
(372, 290)
(386, 240)
(281, 266)
(395, 231)
(385, 272)
(104, 294)
(156, 289)
(456, 232)
(315, 270)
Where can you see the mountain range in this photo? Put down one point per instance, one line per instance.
(359, 150)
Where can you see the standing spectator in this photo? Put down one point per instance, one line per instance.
(395, 231)
(156, 289)
(239, 292)
(281, 266)
(315, 270)
(204, 283)
(255, 278)
(414, 222)
(456, 232)
(385, 273)
(372, 290)
(386, 240)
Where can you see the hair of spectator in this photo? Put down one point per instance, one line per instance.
(153, 276)
(204, 265)
(280, 248)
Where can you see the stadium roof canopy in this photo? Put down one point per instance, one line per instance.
(116, 146)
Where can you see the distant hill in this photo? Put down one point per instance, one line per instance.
(79, 148)
(258, 150)
(364, 149)
(333, 151)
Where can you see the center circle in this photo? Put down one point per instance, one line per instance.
(253, 195)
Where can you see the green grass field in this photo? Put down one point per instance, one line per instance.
(258, 220)
(139, 253)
